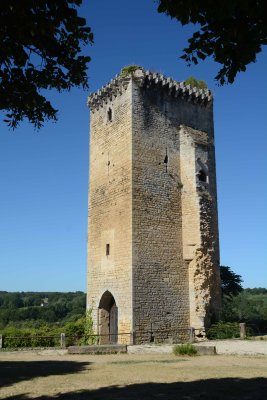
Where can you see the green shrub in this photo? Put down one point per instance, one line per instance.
(129, 70)
(224, 330)
(77, 332)
(193, 82)
(185, 349)
(89, 337)
(41, 337)
(80, 331)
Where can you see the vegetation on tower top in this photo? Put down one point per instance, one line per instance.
(129, 70)
(192, 81)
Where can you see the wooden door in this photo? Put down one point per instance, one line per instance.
(113, 324)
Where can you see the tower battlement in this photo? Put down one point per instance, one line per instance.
(148, 79)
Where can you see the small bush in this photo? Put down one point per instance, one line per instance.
(81, 331)
(192, 81)
(185, 349)
(224, 330)
(129, 70)
(74, 332)
(89, 337)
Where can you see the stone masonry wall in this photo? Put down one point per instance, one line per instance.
(110, 208)
(160, 271)
(160, 277)
(168, 220)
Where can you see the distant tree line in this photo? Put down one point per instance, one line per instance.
(250, 306)
(23, 310)
(34, 309)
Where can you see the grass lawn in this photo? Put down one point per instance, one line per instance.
(137, 376)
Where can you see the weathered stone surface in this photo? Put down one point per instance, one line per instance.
(153, 233)
(206, 350)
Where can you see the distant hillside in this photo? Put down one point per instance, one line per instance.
(23, 309)
(35, 309)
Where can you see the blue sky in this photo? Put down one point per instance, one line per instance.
(44, 174)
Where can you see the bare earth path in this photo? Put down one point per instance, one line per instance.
(132, 376)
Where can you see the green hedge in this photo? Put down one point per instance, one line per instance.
(77, 332)
(224, 330)
(42, 337)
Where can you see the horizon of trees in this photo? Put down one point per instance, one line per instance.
(34, 309)
(28, 309)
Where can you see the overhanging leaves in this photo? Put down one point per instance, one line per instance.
(231, 31)
(40, 49)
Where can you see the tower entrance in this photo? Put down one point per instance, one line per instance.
(108, 319)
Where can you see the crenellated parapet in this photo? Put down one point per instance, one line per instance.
(148, 79)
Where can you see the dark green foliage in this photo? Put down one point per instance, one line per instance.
(224, 330)
(40, 49)
(40, 326)
(75, 328)
(192, 81)
(187, 349)
(243, 305)
(74, 332)
(230, 282)
(88, 337)
(80, 331)
(42, 337)
(231, 31)
(77, 332)
(256, 291)
(246, 306)
(61, 308)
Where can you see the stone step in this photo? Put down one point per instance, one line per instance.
(98, 349)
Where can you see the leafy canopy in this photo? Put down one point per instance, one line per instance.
(230, 281)
(40, 49)
(231, 31)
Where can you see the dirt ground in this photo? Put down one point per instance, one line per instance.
(132, 376)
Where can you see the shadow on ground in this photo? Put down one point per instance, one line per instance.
(16, 371)
(219, 389)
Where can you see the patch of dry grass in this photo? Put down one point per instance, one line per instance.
(138, 376)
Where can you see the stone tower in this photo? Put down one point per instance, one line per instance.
(153, 252)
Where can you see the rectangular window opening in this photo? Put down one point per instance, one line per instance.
(107, 249)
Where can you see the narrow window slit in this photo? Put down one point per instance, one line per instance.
(107, 249)
(109, 114)
(166, 160)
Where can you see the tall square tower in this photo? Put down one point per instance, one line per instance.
(153, 250)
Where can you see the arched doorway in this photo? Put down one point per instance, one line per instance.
(108, 319)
